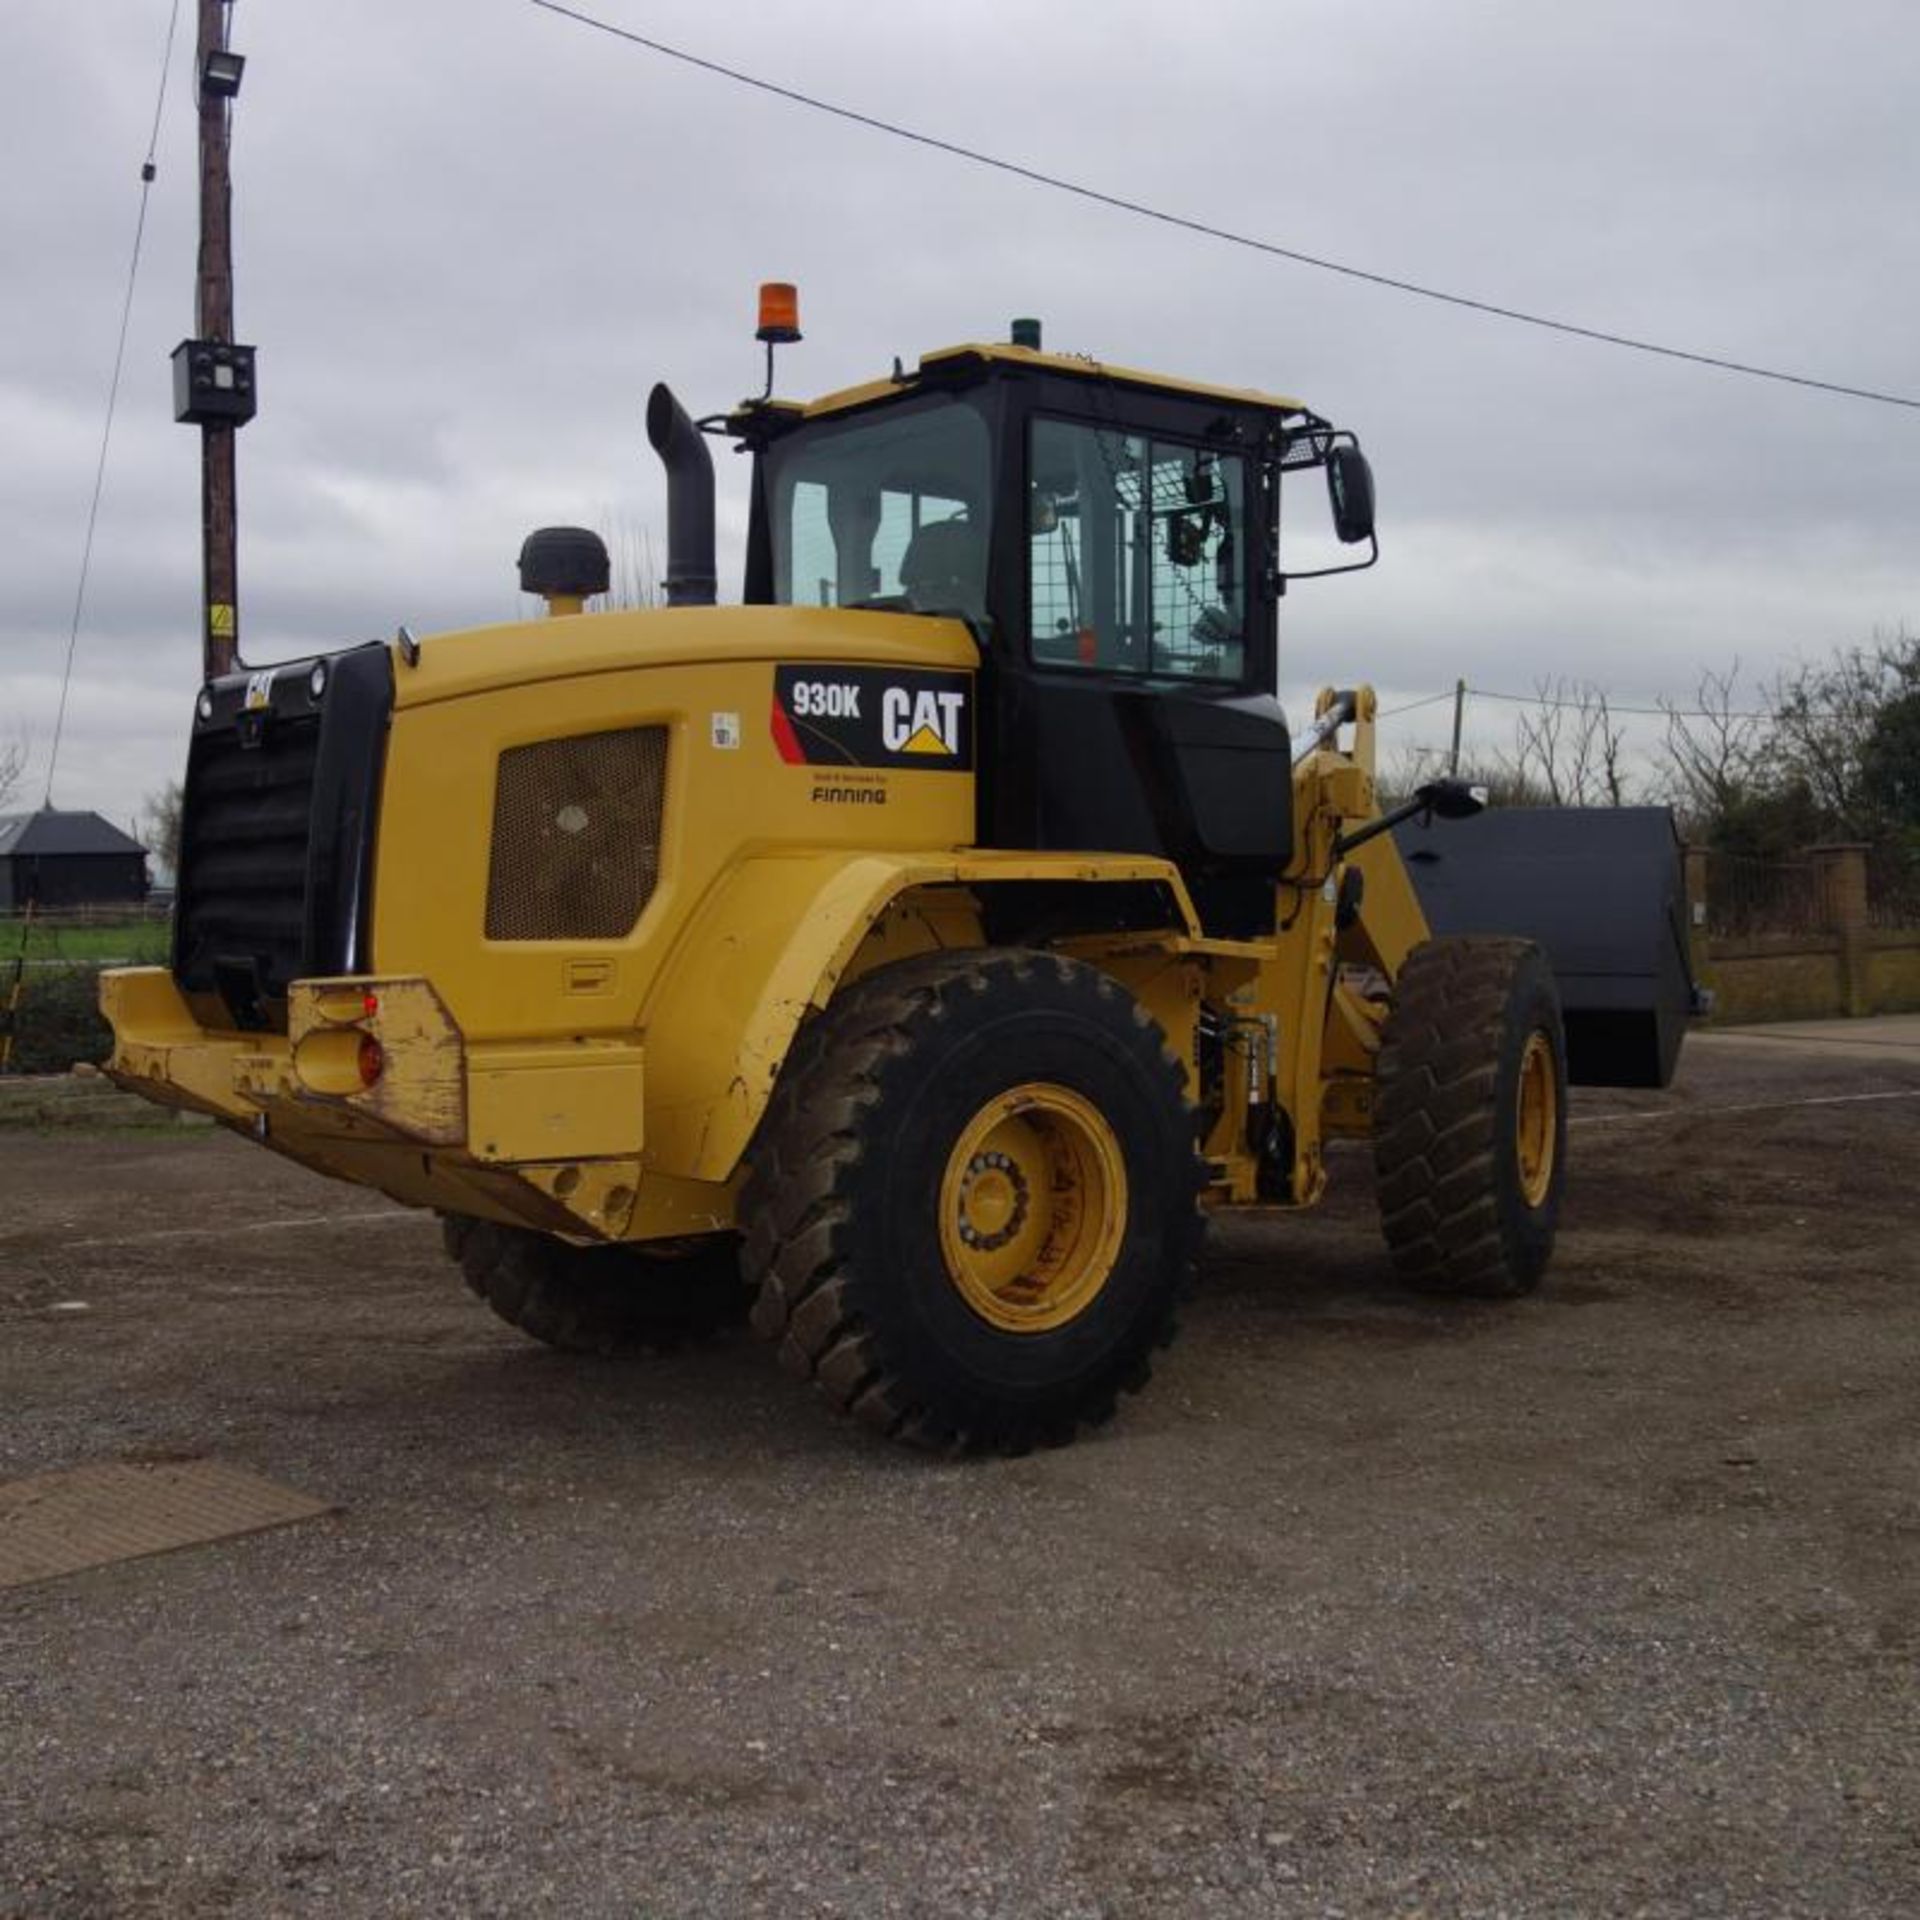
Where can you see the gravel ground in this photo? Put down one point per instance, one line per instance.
(1606, 1602)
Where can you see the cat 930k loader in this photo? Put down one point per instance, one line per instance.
(910, 955)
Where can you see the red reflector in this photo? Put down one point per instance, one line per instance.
(372, 1004)
(373, 1060)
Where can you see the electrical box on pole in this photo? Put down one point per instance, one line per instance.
(212, 383)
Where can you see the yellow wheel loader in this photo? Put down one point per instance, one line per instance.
(909, 956)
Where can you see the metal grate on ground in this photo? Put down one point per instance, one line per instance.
(52, 1524)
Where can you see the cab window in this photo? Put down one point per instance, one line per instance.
(889, 512)
(1136, 553)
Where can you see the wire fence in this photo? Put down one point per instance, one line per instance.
(1747, 895)
(1750, 896)
(50, 965)
(1893, 887)
(156, 907)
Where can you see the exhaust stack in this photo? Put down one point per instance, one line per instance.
(691, 580)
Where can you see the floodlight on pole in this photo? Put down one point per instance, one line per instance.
(220, 73)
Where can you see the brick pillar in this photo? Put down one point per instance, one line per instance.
(1840, 870)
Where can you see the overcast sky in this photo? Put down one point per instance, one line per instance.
(469, 235)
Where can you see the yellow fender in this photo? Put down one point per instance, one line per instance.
(769, 944)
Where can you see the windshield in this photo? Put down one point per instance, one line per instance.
(888, 511)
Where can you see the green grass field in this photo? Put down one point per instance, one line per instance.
(105, 943)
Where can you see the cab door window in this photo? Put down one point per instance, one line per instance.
(1136, 553)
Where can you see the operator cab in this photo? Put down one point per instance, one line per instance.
(1111, 539)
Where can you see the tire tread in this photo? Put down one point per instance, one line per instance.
(606, 1301)
(797, 1196)
(1436, 1150)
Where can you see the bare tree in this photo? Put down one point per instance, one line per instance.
(1714, 755)
(160, 819)
(1611, 746)
(1827, 717)
(634, 572)
(13, 765)
(1891, 761)
(1411, 767)
(1568, 748)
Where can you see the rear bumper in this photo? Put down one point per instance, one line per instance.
(542, 1135)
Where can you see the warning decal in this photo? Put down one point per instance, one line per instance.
(844, 716)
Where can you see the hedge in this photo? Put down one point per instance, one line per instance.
(58, 1020)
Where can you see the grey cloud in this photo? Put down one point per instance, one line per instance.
(470, 235)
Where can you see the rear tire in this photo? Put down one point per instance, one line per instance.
(602, 1300)
(974, 1201)
(1470, 1118)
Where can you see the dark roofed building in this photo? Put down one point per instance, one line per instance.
(58, 860)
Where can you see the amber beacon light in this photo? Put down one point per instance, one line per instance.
(779, 313)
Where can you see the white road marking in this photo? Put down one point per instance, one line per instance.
(388, 1214)
(1750, 1106)
(1799, 1037)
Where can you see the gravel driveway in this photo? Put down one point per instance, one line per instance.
(1607, 1602)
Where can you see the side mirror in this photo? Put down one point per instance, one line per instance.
(1350, 492)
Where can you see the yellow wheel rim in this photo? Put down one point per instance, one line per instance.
(1033, 1207)
(1536, 1119)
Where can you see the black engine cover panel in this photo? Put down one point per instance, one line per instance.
(1202, 778)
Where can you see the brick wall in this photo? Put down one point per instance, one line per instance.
(1842, 964)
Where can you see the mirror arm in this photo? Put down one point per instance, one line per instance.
(1450, 799)
(1322, 573)
(1324, 439)
(1383, 823)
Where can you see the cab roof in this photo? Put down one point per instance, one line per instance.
(950, 360)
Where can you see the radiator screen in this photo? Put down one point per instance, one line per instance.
(576, 835)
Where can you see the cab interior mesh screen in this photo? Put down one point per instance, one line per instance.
(576, 835)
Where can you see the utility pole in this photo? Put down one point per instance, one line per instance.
(213, 378)
(220, 645)
(1459, 716)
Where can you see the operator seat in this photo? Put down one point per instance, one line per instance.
(943, 569)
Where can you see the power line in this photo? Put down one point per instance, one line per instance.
(1598, 699)
(148, 170)
(1414, 706)
(1595, 700)
(1145, 212)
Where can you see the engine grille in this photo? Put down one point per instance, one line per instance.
(243, 874)
(576, 835)
(277, 833)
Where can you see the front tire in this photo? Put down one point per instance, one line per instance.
(975, 1200)
(1470, 1118)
